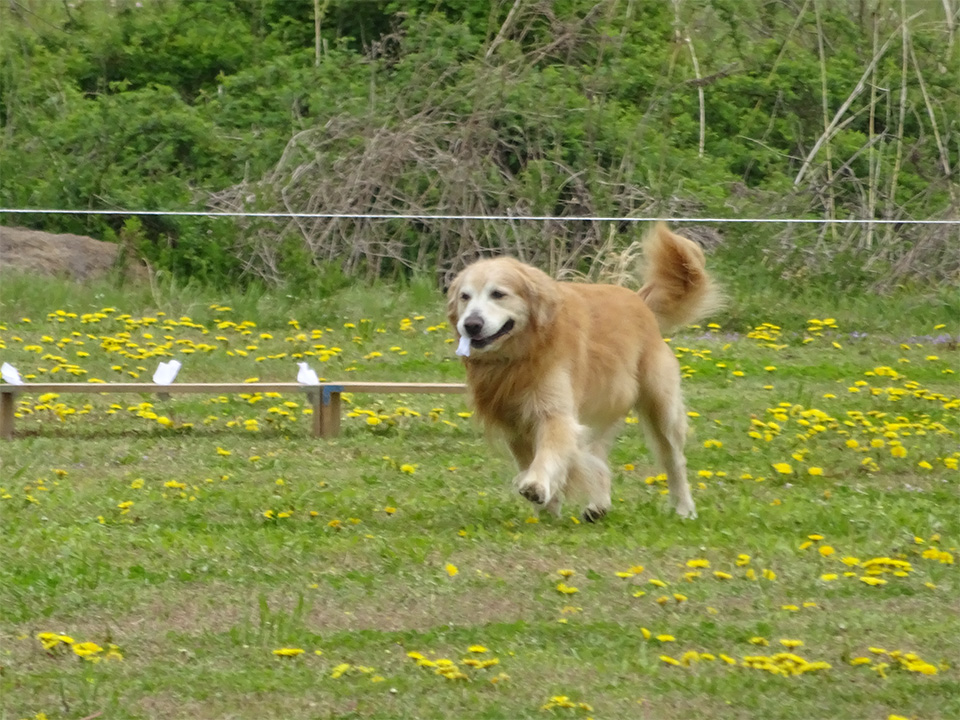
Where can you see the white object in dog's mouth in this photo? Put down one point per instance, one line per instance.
(463, 349)
(483, 342)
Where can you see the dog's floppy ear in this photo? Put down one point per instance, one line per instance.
(453, 294)
(541, 293)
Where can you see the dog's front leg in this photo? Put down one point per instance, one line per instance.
(522, 448)
(556, 443)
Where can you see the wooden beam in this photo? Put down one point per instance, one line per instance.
(7, 403)
(330, 411)
(245, 388)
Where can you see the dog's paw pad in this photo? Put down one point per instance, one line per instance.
(532, 494)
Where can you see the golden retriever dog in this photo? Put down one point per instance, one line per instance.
(555, 366)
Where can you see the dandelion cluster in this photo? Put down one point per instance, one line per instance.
(881, 661)
(565, 703)
(56, 643)
(445, 667)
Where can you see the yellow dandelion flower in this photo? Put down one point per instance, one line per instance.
(50, 640)
(87, 650)
(451, 569)
(691, 656)
(288, 652)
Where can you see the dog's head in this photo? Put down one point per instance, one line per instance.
(499, 304)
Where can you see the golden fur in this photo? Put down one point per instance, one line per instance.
(555, 366)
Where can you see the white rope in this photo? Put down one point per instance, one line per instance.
(424, 216)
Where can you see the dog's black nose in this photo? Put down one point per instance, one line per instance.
(473, 325)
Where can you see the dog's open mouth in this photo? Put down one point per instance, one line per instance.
(483, 342)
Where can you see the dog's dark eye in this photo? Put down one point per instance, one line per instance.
(465, 297)
(498, 294)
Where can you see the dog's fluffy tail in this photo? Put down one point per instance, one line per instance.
(676, 285)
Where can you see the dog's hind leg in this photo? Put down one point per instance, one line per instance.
(665, 420)
(590, 476)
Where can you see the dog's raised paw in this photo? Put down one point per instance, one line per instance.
(533, 494)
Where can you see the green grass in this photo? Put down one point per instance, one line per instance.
(200, 579)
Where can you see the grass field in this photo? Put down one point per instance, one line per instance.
(206, 558)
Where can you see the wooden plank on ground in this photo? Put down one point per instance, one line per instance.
(201, 388)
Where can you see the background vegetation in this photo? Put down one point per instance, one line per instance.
(754, 108)
(204, 557)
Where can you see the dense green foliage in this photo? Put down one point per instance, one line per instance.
(567, 108)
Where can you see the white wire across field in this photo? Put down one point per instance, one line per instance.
(512, 218)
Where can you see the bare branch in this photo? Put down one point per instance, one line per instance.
(861, 84)
(504, 29)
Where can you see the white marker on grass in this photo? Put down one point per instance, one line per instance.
(307, 375)
(10, 375)
(166, 372)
